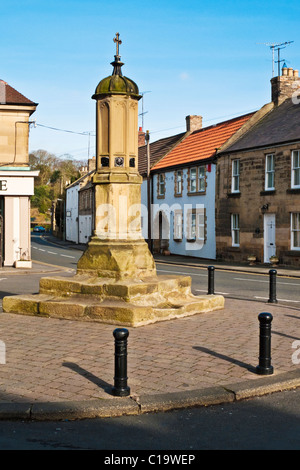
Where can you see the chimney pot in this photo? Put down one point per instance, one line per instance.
(141, 137)
(284, 87)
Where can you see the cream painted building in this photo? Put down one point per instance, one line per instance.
(16, 177)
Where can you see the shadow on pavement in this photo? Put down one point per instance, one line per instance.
(89, 376)
(226, 358)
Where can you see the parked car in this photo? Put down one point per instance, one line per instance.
(39, 228)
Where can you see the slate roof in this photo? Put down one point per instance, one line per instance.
(8, 95)
(81, 179)
(202, 144)
(158, 150)
(281, 125)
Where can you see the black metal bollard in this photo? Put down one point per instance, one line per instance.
(120, 388)
(211, 280)
(272, 286)
(264, 367)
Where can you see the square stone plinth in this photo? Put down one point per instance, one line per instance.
(128, 303)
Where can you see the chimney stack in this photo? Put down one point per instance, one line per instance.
(193, 123)
(2, 92)
(284, 85)
(91, 164)
(141, 140)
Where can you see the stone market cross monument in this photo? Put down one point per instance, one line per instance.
(116, 280)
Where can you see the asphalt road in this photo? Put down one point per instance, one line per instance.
(52, 253)
(241, 285)
(265, 423)
(232, 284)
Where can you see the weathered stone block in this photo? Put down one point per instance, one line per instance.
(118, 260)
(27, 304)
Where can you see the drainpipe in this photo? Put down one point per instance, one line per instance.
(147, 138)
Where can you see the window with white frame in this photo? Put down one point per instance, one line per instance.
(192, 226)
(178, 224)
(193, 180)
(201, 225)
(197, 179)
(235, 185)
(196, 224)
(178, 182)
(235, 229)
(201, 178)
(295, 169)
(161, 184)
(295, 231)
(270, 172)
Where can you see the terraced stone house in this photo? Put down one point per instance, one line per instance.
(258, 182)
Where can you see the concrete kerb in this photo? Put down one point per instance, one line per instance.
(126, 406)
(38, 267)
(281, 272)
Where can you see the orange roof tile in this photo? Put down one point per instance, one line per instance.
(202, 144)
(158, 149)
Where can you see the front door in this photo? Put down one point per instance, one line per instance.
(269, 237)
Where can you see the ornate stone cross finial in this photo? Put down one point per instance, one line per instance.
(118, 42)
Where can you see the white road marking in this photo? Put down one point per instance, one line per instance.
(288, 283)
(251, 280)
(176, 272)
(257, 280)
(53, 252)
(202, 290)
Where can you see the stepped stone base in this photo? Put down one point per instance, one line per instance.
(120, 302)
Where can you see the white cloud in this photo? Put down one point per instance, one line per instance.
(184, 76)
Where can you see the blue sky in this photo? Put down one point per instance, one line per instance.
(187, 57)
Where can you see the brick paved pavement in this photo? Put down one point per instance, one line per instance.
(51, 360)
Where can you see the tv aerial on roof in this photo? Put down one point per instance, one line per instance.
(277, 47)
(143, 112)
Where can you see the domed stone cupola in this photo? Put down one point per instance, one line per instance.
(116, 83)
